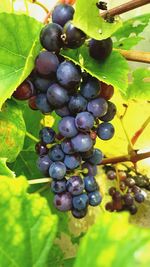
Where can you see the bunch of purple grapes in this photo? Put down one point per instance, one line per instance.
(82, 102)
(128, 194)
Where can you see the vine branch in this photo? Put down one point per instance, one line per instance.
(125, 8)
(140, 131)
(138, 56)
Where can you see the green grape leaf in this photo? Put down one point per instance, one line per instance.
(140, 87)
(12, 131)
(88, 19)
(114, 70)
(27, 226)
(4, 170)
(135, 26)
(116, 243)
(19, 46)
(127, 43)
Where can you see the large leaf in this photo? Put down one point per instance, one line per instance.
(114, 70)
(4, 170)
(27, 227)
(140, 87)
(12, 131)
(19, 46)
(88, 19)
(113, 242)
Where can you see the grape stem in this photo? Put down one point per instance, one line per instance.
(133, 157)
(140, 131)
(32, 137)
(125, 8)
(138, 56)
(39, 181)
(41, 5)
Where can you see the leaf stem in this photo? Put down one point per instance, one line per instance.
(39, 181)
(41, 5)
(125, 7)
(26, 6)
(32, 137)
(138, 56)
(140, 131)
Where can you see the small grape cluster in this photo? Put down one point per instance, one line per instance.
(82, 102)
(127, 193)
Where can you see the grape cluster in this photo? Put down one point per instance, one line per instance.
(82, 102)
(128, 192)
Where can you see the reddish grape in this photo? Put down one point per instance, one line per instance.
(24, 91)
(32, 103)
(107, 91)
(69, 2)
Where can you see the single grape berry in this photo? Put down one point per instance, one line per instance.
(41, 149)
(133, 209)
(63, 111)
(90, 89)
(50, 37)
(67, 147)
(111, 112)
(56, 153)
(42, 84)
(32, 102)
(57, 170)
(46, 63)
(72, 161)
(90, 184)
(112, 191)
(128, 199)
(111, 175)
(98, 107)
(80, 202)
(57, 95)
(139, 197)
(94, 198)
(107, 91)
(68, 75)
(84, 121)
(63, 201)
(58, 187)
(82, 142)
(100, 49)
(77, 104)
(67, 127)
(79, 214)
(72, 36)
(105, 131)
(47, 135)
(75, 185)
(97, 157)
(89, 169)
(24, 91)
(42, 104)
(109, 206)
(62, 13)
(44, 163)
(130, 182)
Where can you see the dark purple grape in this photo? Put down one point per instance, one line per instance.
(63, 111)
(98, 107)
(44, 163)
(87, 154)
(72, 36)
(112, 191)
(122, 186)
(24, 91)
(130, 182)
(41, 149)
(57, 170)
(80, 202)
(90, 184)
(111, 112)
(84, 121)
(50, 37)
(67, 147)
(77, 104)
(47, 135)
(105, 131)
(46, 63)
(91, 169)
(82, 142)
(57, 95)
(97, 157)
(62, 14)
(107, 91)
(67, 127)
(79, 214)
(95, 198)
(109, 206)
(111, 175)
(75, 185)
(133, 209)
(63, 201)
(42, 84)
(90, 89)
(68, 75)
(116, 196)
(136, 189)
(128, 199)
(56, 153)
(58, 187)
(139, 197)
(43, 104)
(100, 49)
(72, 161)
